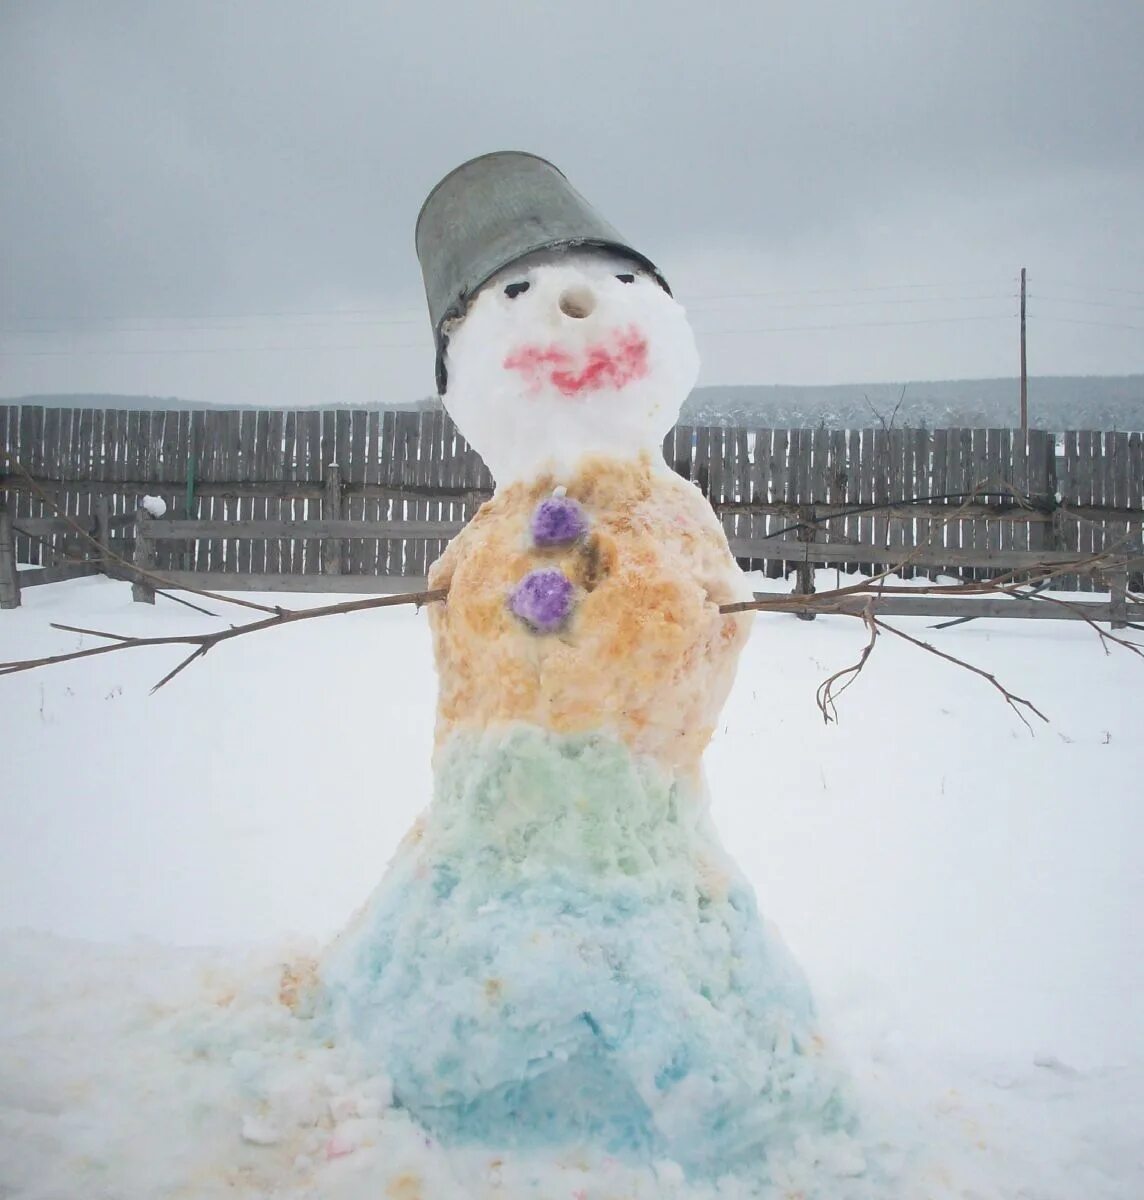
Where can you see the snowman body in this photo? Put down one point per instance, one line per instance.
(562, 955)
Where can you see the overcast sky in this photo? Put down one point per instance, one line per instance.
(217, 200)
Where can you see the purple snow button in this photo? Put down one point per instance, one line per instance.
(542, 600)
(558, 521)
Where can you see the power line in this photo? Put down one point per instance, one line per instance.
(883, 287)
(65, 330)
(376, 321)
(177, 350)
(378, 317)
(379, 323)
(1101, 290)
(424, 342)
(63, 323)
(1090, 303)
(1081, 321)
(855, 325)
(879, 303)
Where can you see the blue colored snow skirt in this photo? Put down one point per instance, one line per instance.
(562, 954)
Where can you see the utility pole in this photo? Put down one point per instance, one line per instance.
(1024, 372)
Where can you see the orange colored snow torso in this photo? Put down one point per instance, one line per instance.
(645, 656)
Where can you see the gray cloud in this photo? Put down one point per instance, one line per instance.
(213, 158)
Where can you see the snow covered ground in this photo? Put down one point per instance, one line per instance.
(964, 896)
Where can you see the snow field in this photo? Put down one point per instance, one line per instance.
(963, 895)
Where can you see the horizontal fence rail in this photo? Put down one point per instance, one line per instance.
(1116, 614)
(334, 499)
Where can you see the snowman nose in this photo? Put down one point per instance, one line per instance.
(577, 301)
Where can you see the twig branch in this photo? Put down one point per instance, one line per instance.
(827, 694)
(1011, 698)
(894, 414)
(1008, 584)
(1105, 635)
(202, 642)
(186, 603)
(132, 571)
(887, 426)
(1013, 583)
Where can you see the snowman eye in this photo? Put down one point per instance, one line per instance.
(514, 289)
(626, 278)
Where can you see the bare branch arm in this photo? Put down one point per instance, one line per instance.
(202, 642)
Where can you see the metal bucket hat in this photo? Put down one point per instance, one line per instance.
(487, 213)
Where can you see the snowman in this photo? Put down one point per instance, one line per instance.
(562, 956)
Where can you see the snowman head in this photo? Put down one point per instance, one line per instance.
(566, 354)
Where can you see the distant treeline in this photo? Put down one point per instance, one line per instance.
(1055, 402)
(122, 403)
(1105, 402)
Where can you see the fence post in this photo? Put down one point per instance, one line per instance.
(1042, 466)
(808, 533)
(1118, 594)
(332, 511)
(142, 591)
(9, 575)
(103, 533)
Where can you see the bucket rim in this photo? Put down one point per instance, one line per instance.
(460, 304)
(619, 249)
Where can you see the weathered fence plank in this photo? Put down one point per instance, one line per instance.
(388, 550)
(331, 515)
(260, 468)
(58, 574)
(311, 423)
(164, 529)
(949, 607)
(142, 590)
(793, 549)
(265, 469)
(289, 560)
(228, 581)
(9, 576)
(25, 547)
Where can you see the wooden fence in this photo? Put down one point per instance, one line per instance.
(314, 498)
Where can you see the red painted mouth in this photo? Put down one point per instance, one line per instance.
(602, 366)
